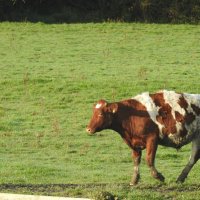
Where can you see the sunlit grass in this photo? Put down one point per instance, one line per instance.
(50, 76)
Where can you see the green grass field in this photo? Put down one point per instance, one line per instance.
(50, 76)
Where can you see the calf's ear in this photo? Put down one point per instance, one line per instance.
(101, 103)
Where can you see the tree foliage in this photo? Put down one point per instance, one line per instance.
(101, 10)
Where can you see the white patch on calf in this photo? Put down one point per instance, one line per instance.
(179, 126)
(172, 98)
(152, 109)
(193, 99)
(98, 106)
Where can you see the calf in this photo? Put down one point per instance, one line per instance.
(147, 120)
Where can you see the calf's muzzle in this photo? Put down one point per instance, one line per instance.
(89, 130)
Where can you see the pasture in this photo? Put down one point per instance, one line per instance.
(50, 76)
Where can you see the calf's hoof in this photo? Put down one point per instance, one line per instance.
(180, 180)
(159, 176)
(133, 183)
(135, 180)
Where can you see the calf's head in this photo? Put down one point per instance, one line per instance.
(103, 113)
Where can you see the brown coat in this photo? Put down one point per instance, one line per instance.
(146, 120)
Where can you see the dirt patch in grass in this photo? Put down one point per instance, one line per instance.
(38, 188)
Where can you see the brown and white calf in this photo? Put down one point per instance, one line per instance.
(147, 120)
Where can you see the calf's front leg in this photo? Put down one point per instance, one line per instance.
(151, 147)
(136, 155)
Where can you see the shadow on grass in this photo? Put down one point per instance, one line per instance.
(56, 187)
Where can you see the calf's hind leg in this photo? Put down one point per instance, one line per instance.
(195, 155)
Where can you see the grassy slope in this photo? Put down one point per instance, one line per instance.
(50, 77)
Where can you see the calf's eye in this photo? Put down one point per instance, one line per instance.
(100, 114)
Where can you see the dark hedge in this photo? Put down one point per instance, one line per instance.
(52, 11)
